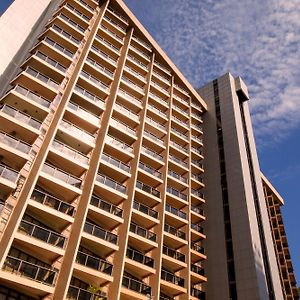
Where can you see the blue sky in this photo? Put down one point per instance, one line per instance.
(258, 40)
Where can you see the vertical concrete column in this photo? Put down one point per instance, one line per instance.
(65, 275)
(119, 261)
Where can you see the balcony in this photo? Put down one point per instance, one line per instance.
(76, 293)
(182, 90)
(14, 143)
(197, 127)
(104, 87)
(140, 257)
(174, 231)
(145, 209)
(177, 176)
(93, 98)
(178, 161)
(150, 170)
(154, 138)
(127, 112)
(182, 111)
(197, 150)
(197, 269)
(181, 100)
(162, 67)
(78, 133)
(67, 35)
(143, 232)
(176, 193)
(124, 128)
(100, 233)
(102, 54)
(42, 234)
(159, 99)
(59, 47)
(118, 144)
(165, 297)
(70, 22)
(118, 15)
(197, 209)
(142, 43)
(179, 147)
(9, 175)
(106, 206)
(52, 202)
(197, 163)
(162, 78)
(100, 68)
(181, 122)
(108, 45)
(176, 212)
(158, 111)
(111, 183)
(78, 13)
(129, 97)
(32, 96)
(115, 24)
(161, 89)
(182, 135)
(197, 294)
(198, 228)
(69, 152)
(141, 53)
(137, 286)
(168, 276)
(196, 138)
(197, 117)
(62, 175)
(94, 263)
(197, 193)
(137, 62)
(198, 248)
(115, 162)
(152, 153)
(20, 116)
(173, 253)
(112, 34)
(156, 124)
(133, 85)
(86, 6)
(148, 189)
(31, 271)
(51, 61)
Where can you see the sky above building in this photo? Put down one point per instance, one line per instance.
(259, 41)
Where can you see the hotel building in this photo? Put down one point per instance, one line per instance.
(103, 171)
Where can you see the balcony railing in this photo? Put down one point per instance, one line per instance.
(148, 46)
(197, 227)
(197, 294)
(62, 175)
(197, 247)
(159, 87)
(172, 230)
(78, 13)
(145, 209)
(153, 137)
(140, 257)
(8, 174)
(93, 262)
(111, 183)
(65, 34)
(100, 233)
(106, 206)
(115, 162)
(175, 211)
(197, 139)
(197, 150)
(197, 269)
(86, 5)
(14, 143)
(184, 112)
(114, 23)
(123, 126)
(180, 99)
(165, 297)
(184, 136)
(59, 47)
(137, 74)
(177, 160)
(179, 147)
(168, 276)
(100, 102)
(156, 124)
(76, 293)
(177, 176)
(116, 36)
(143, 232)
(137, 61)
(104, 55)
(176, 193)
(51, 61)
(136, 286)
(140, 52)
(20, 116)
(162, 67)
(173, 253)
(163, 78)
(181, 89)
(148, 189)
(150, 170)
(42, 234)
(159, 99)
(107, 43)
(29, 270)
(117, 14)
(81, 134)
(197, 193)
(158, 111)
(129, 113)
(94, 80)
(197, 127)
(197, 163)
(71, 22)
(179, 121)
(53, 202)
(131, 83)
(100, 67)
(197, 209)
(42, 77)
(32, 96)
(130, 97)
(114, 141)
(68, 151)
(152, 153)
(198, 117)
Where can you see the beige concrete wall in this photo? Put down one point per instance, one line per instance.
(16, 25)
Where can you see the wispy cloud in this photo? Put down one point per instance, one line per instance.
(258, 40)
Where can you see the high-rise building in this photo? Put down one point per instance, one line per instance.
(102, 178)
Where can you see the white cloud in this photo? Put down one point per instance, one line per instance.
(258, 40)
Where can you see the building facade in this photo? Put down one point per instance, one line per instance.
(101, 163)
(103, 171)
